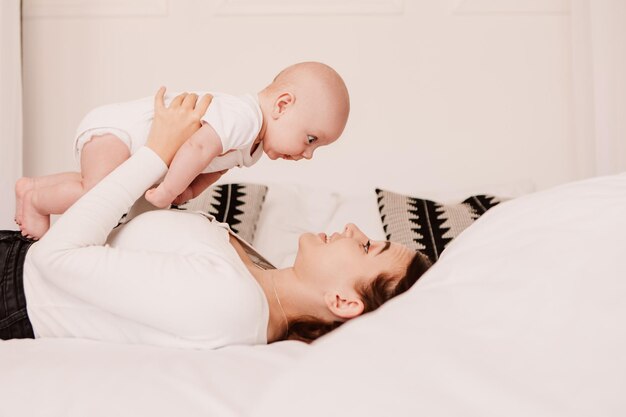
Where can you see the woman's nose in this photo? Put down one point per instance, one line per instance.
(350, 229)
(353, 231)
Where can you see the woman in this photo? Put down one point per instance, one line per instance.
(172, 278)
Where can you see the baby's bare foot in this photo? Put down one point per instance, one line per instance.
(34, 224)
(158, 197)
(22, 186)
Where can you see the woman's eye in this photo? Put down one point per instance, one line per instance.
(310, 139)
(367, 247)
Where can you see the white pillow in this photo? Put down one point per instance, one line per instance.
(523, 315)
(360, 209)
(288, 211)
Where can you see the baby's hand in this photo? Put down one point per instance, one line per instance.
(173, 125)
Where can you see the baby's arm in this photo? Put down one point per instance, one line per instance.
(190, 160)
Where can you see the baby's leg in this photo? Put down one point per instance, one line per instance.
(25, 184)
(101, 155)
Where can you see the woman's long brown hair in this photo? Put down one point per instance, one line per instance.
(373, 295)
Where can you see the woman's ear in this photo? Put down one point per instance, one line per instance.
(282, 102)
(345, 307)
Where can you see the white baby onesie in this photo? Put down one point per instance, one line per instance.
(237, 120)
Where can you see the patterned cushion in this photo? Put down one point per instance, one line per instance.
(239, 205)
(426, 225)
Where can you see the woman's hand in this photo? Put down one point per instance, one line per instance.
(173, 125)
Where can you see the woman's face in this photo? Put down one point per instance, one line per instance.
(349, 259)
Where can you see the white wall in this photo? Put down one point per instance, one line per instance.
(608, 40)
(10, 108)
(445, 94)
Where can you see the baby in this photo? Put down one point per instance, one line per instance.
(306, 106)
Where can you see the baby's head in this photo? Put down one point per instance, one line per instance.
(305, 107)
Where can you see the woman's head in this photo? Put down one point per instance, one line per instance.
(353, 274)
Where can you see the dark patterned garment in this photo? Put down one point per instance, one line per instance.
(14, 322)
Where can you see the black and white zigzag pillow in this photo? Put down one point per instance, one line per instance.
(426, 225)
(239, 205)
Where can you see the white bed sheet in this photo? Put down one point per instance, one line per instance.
(80, 378)
(523, 315)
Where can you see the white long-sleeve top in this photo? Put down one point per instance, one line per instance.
(167, 278)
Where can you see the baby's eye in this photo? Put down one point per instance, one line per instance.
(367, 247)
(310, 139)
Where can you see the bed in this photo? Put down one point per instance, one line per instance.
(522, 314)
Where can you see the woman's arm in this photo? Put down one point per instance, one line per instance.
(73, 254)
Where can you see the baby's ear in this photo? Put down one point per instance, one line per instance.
(282, 103)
